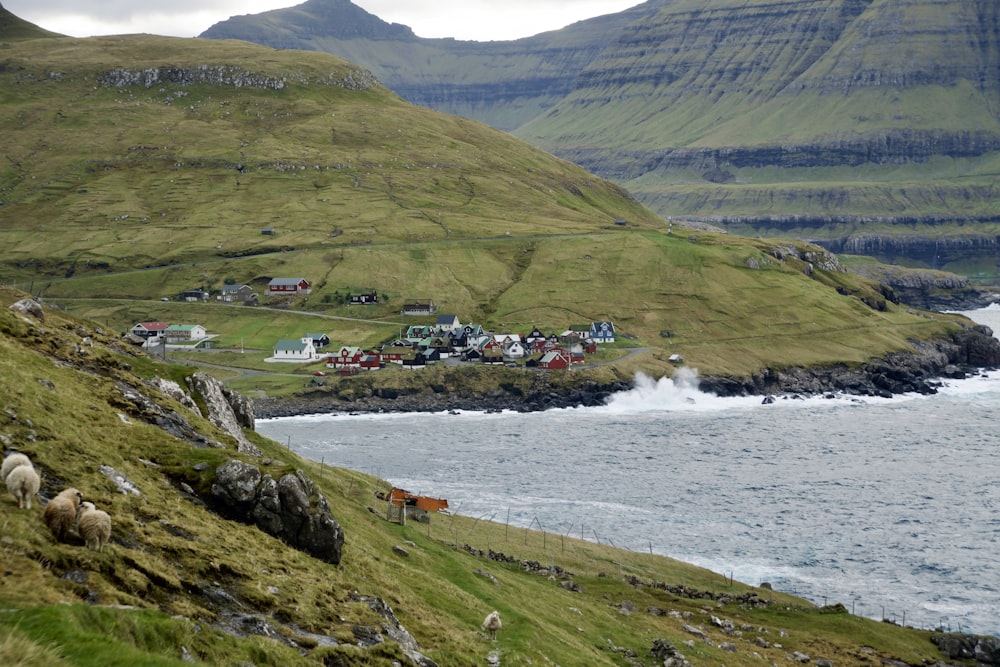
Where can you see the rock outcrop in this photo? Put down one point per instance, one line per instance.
(965, 352)
(283, 508)
(228, 410)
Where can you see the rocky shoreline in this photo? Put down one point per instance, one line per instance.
(965, 353)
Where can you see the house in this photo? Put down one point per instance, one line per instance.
(149, 329)
(554, 360)
(294, 350)
(602, 332)
(288, 287)
(581, 331)
(320, 340)
(395, 354)
(179, 333)
(371, 362)
(237, 293)
(348, 356)
(194, 294)
(534, 336)
(417, 332)
(419, 307)
(363, 299)
(514, 349)
(447, 324)
(414, 361)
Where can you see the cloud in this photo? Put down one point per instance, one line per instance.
(462, 19)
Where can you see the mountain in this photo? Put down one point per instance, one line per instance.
(14, 27)
(870, 126)
(163, 165)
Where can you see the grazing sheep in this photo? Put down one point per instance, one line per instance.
(492, 623)
(94, 526)
(14, 460)
(60, 513)
(23, 483)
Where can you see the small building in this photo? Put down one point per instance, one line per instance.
(554, 360)
(267, 231)
(348, 356)
(194, 294)
(288, 287)
(320, 340)
(180, 333)
(447, 324)
(237, 294)
(418, 307)
(514, 349)
(150, 329)
(602, 332)
(363, 299)
(371, 362)
(395, 354)
(294, 350)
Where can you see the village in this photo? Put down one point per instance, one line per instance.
(448, 340)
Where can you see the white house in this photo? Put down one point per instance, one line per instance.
(514, 349)
(179, 333)
(295, 350)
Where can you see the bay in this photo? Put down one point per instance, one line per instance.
(888, 506)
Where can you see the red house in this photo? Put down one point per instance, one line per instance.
(554, 360)
(347, 357)
(288, 287)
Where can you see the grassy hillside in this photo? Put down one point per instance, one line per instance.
(870, 126)
(178, 582)
(142, 166)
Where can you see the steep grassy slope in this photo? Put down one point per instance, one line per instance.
(178, 582)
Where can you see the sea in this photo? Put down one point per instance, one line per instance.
(890, 507)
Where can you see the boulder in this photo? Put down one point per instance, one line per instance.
(282, 508)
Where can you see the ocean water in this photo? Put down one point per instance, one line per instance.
(889, 506)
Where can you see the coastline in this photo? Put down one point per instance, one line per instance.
(965, 353)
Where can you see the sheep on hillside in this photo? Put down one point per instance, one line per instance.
(492, 623)
(14, 460)
(60, 513)
(23, 483)
(94, 526)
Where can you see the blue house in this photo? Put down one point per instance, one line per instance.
(602, 332)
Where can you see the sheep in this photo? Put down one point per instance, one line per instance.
(94, 526)
(14, 460)
(23, 483)
(60, 513)
(492, 623)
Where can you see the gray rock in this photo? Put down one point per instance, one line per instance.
(281, 508)
(29, 307)
(123, 483)
(220, 411)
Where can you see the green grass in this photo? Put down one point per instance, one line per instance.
(150, 592)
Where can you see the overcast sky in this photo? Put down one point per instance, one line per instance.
(463, 19)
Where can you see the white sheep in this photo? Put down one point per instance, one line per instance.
(14, 460)
(492, 623)
(60, 513)
(23, 483)
(94, 526)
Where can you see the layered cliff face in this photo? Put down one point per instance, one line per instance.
(822, 119)
(503, 83)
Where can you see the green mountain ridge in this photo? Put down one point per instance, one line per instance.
(827, 120)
